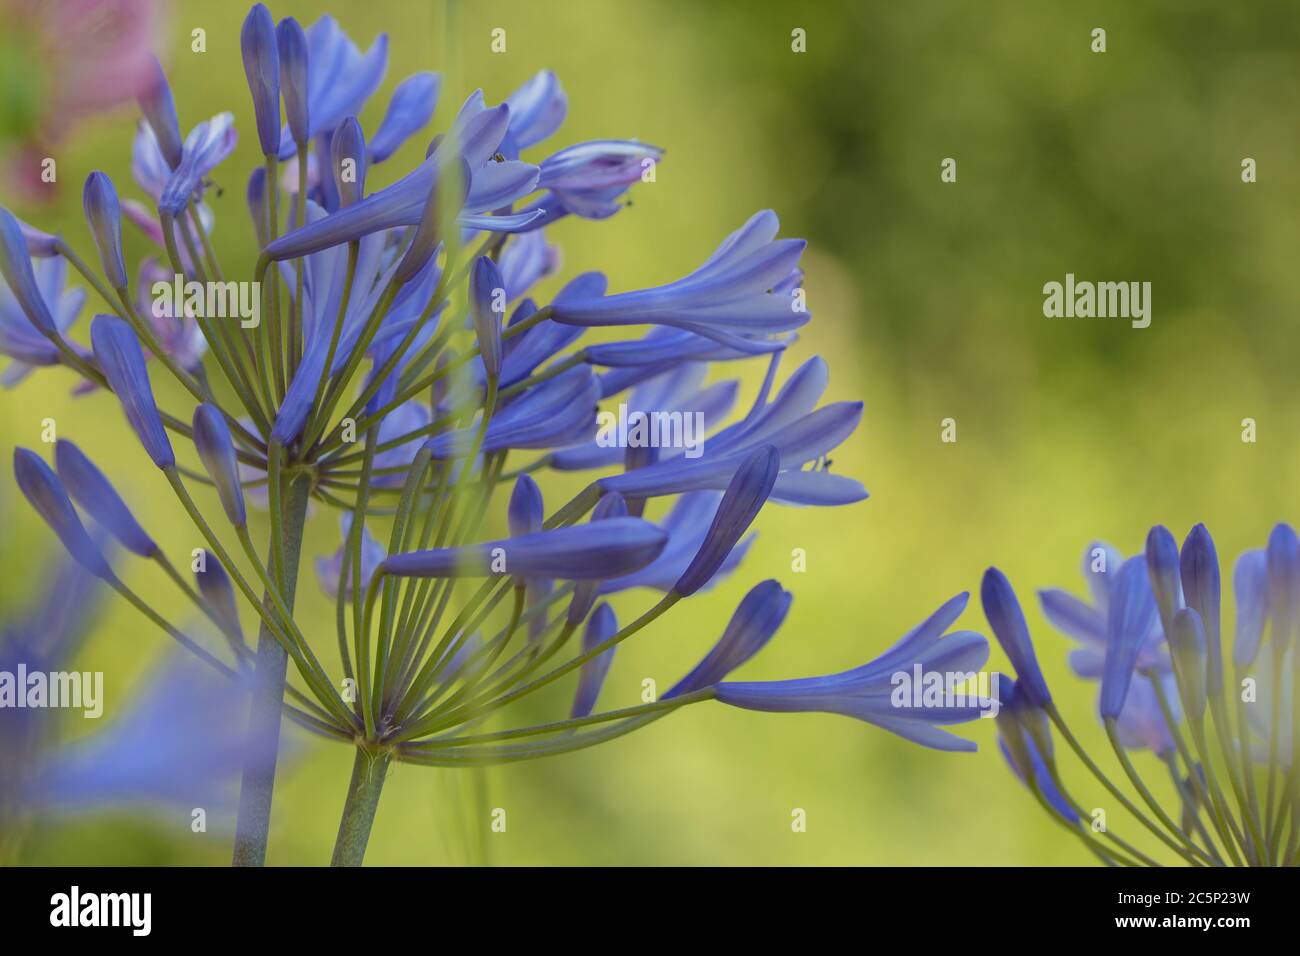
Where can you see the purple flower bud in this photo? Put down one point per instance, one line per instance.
(16, 267)
(428, 231)
(600, 165)
(602, 626)
(536, 110)
(1008, 622)
(1162, 568)
(99, 201)
(487, 305)
(600, 549)
(741, 502)
(1187, 643)
(213, 443)
(291, 43)
(526, 510)
(349, 161)
(118, 353)
(1131, 617)
(262, 67)
(215, 587)
(41, 486)
(159, 110)
(88, 486)
(1201, 590)
(758, 616)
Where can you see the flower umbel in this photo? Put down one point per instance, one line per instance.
(399, 369)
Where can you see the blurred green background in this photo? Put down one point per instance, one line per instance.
(928, 304)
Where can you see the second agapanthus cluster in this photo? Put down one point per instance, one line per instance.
(404, 371)
(1221, 727)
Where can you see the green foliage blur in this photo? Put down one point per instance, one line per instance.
(927, 301)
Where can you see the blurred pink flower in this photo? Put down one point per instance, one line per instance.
(87, 56)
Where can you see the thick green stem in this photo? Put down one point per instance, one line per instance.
(253, 828)
(367, 783)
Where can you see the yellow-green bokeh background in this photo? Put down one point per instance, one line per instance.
(927, 302)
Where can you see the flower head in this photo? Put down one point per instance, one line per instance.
(397, 363)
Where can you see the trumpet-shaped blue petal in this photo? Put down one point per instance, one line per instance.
(1129, 626)
(664, 346)
(205, 147)
(20, 339)
(867, 693)
(730, 298)
(476, 137)
(409, 111)
(159, 109)
(599, 549)
(1087, 623)
(789, 422)
(537, 109)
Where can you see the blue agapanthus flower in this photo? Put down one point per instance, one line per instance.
(1219, 728)
(391, 358)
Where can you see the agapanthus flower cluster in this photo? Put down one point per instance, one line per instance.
(395, 364)
(1220, 727)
